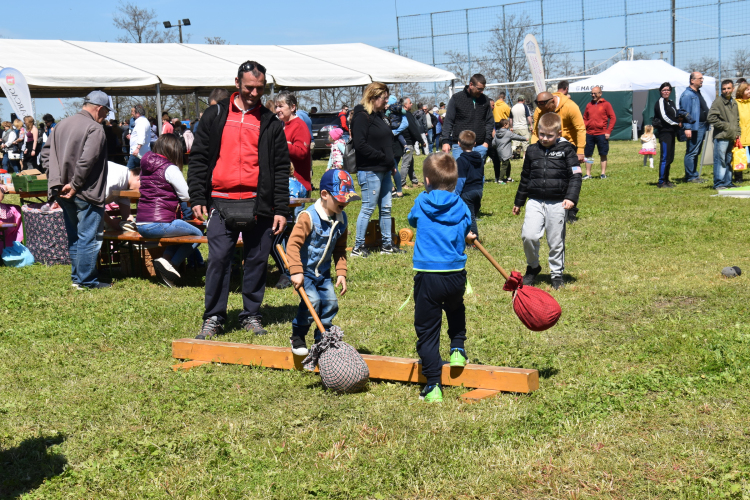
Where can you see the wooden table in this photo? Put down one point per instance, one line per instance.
(134, 196)
(26, 194)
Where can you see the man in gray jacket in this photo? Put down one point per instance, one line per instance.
(75, 158)
(724, 116)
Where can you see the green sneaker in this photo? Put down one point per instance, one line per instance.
(458, 357)
(432, 394)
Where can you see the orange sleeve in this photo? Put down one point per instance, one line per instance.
(302, 229)
(339, 253)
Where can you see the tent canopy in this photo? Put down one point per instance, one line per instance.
(60, 68)
(644, 75)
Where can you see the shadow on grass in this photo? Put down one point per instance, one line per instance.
(25, 467)
(547, 372)
(545, 278)
(271, 314)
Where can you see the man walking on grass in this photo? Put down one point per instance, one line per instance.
(599, 118)
(238, 179)
(469, 109)
(520, 123)
(75, 159)
(724, 116)
(692, 101)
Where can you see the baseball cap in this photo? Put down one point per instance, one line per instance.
(339, 183)
(98, 98)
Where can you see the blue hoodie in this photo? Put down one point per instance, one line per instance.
(442, 220)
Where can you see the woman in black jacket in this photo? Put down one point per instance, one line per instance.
(667, 123)
(373, 145)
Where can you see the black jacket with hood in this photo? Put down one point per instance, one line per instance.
(467, 113)
(552, 174)
(273, 160)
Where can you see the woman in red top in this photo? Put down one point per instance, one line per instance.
(297, 138)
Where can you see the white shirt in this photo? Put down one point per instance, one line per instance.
(117, 180)
(518, 113)
(141, 135)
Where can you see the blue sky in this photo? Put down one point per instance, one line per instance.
(244, 23)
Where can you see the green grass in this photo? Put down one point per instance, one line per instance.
(643, 390)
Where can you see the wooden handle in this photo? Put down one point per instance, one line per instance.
(493, 261)
(302, 293)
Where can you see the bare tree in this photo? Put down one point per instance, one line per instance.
(740, 62)
(140, 25)
(215, 40)
(706, 65)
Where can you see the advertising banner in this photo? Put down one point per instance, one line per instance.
(531, 48)
(17, 91)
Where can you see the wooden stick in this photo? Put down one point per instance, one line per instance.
(493, 261)
(302, 293)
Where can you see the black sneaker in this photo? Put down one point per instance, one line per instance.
(530, 276)
(211, 327)
(166, 271)
(390, 249)
(558, 283)
(284, 282)
(253, 324)
(299, 347)
(697, 180)
(360, 251)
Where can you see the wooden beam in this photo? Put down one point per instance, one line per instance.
(188, 365)
(478, 395)
(381, 367)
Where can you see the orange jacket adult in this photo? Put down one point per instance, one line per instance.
(599, 117)
(501, 111)
(573, 128)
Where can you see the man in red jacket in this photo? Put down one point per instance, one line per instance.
(343, 114)
(599, 118)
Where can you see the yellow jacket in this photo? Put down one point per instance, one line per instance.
(501, 111)
(573, 128)
(743, 105)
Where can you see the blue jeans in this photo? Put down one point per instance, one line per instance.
(692, 153)
(722, 164)
(83, 222)
(322, 295)
(175, 254)
(134, 162)
(397, 175)
(376, 192)
(429, 139)
(456, 150)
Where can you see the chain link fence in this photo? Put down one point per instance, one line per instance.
(579, 37)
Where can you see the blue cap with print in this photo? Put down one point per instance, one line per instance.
(339, 184)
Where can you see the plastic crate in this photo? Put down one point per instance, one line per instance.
(28, 183)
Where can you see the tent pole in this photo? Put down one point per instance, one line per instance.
(197, 108)
(272, 91)
(158, 109)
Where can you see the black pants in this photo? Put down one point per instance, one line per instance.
(504, 170)
(492, 153)
(221, 243)
(433, 294)
(666, 154)
(473, 200)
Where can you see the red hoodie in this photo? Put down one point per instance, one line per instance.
(596, 115)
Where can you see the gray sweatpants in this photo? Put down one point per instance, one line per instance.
(407, 169)
(545, 216)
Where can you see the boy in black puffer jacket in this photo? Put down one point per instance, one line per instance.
(551, 181)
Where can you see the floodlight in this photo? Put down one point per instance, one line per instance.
(186, 22)
(167, 24)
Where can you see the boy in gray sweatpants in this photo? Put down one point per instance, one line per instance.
(551, 182)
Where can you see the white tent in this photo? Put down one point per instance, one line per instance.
(632, 89)
(644, 75)
(59, 68)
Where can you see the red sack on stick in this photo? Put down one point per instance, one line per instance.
(536, 309)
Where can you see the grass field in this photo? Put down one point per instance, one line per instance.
(643, 391)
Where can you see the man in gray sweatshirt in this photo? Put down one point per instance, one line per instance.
(75, 158)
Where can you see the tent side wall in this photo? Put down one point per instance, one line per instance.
(622, 104)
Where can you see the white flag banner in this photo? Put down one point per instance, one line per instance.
(531, 48)
(17, 91)
(111, 115)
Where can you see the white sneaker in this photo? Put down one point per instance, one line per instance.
(299, 348)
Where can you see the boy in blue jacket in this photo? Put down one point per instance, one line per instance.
(442, 220)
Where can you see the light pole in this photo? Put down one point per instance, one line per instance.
(180, 24)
